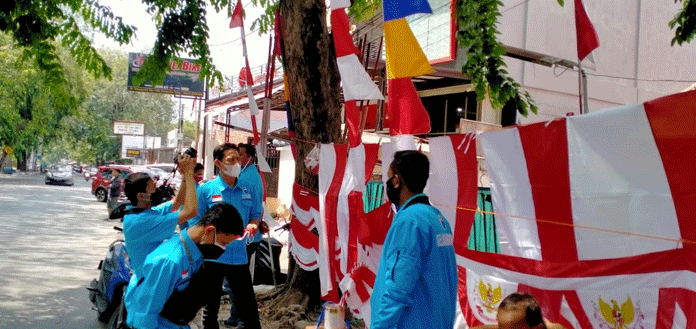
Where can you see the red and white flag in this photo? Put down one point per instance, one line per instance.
(303, 244)
(586, 34)
(237, 20)
(594, 215)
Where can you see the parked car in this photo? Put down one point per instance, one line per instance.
(102, 179)
(60, 175)
(89, 172)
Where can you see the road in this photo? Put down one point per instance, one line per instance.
(51, 240)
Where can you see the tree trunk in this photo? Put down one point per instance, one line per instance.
(310, 65)
(22, 161)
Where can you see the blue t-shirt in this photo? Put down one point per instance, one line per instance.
(416, 284)
(250, 175)
(166, 269)
(145, 231)
(243, 198)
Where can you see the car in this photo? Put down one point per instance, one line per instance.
(89, 172)
(60, 175)
(102, 179)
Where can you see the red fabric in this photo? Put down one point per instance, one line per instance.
(668, 300)
(586, 34)
(363, 276)
(245, 76)
(466, 309)
(340, 28)
(371, 158)
(376, 225)
(303, 234)
(550, 187)
(237, 15)
(256, 130)
(371, 117)
(331, 219)
(353, 123)
(407, 115)
(673, 123)
(356, 215)
(467, 195)
(278, 35)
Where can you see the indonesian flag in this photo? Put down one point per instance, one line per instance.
(586, 34)
(303, 244)
(356, 83)
(247, 79)
(595, 217)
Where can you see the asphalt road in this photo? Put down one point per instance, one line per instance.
(51, 240)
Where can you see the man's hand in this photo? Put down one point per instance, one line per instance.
(264, 228)
(253, 227)
(186, 164)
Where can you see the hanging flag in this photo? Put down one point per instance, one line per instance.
(586, 34)
(405, 58)
(237, 16)
(407, 115)
(237, 21)
(356, 83)
(396, 9)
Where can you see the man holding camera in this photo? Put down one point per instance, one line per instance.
(233, 264)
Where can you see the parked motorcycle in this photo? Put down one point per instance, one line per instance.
(106, 293)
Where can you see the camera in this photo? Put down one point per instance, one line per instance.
(190, 151)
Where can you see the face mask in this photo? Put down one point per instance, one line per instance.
(392, 192)
(212, 251)
(233, 170)
(198, 179)
(157, 196)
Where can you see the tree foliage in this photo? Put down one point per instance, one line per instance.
(684, 22)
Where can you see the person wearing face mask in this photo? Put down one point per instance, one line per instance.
(233, 264)
(198, 173)
(174, 281)
(145, 227)
(416, 284)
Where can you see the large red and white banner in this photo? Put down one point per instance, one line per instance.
(594, 213)
(595, 218)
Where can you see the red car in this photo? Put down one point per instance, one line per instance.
(102, 179)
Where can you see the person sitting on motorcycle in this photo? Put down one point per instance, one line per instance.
(174, 280)
(147, 226)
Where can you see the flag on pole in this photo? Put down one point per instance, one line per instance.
(397, 9)
(586, 34)
(238, 21)
(407, 115)
(357, 84)
(405, 58)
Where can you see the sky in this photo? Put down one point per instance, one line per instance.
(225, 44)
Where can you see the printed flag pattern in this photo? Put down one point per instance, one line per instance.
(595, 216)
(303, 244)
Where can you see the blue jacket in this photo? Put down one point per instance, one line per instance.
(243, 198)
(166, 269)
(146, 230)
(250, 175)
(416, 284)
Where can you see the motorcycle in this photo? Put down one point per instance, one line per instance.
(106, 293)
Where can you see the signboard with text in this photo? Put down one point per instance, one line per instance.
(129, 128)
(183, 79)
(133, 153)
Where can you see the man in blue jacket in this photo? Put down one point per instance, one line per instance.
(233, 265)
(416, 284)
(171, 290)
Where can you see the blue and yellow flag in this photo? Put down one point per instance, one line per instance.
(396, 9)
(405, 58)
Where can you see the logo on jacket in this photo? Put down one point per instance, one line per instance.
(216, 198)
(613, 316)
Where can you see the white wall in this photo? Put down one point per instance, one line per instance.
(634, 43)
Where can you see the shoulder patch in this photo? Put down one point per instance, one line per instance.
(444, 239)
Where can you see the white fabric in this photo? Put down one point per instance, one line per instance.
(397, 143)
(355, 163)
(253, 107)
(511, 193)
(357, 84)
(642, 289)
(679, 321)
(327, 156)
(618, 182)
(337, 4)
(568, 314)
(261, 160)
(444, 190)
(306, 257)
